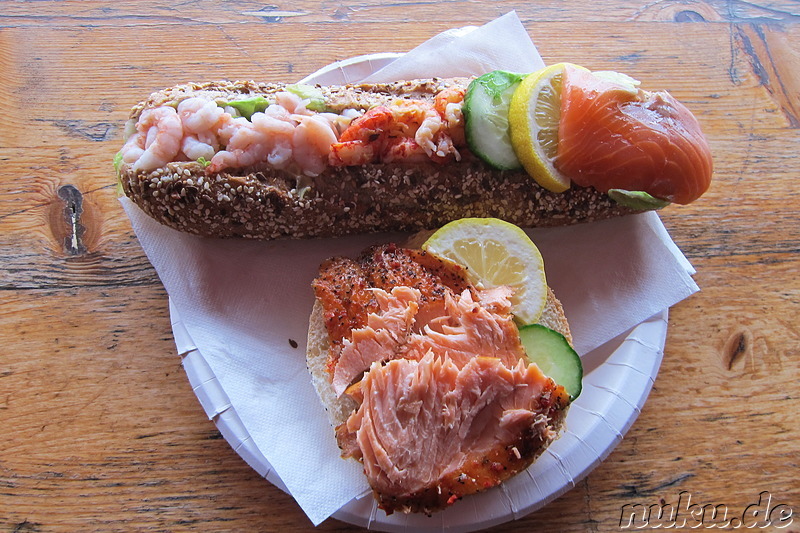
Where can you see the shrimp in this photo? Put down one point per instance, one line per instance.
(292, 103)
(429, 129)
(404, 149)
(443, 99)
(246, 146)
(281, 153)
(280, 129)
(229, 127)
(351, 153)
(340, 122)
(270, 125)
(279, 112)
(159, 134)
(364, 140)
(372, 126)
(312, 142)
(195, 148)
(264, 139)
(449, 103)
(199, 115)
(201, 120)
(133, 148)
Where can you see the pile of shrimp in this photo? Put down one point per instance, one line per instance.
(287, 133)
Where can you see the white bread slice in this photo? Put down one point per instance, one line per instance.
(319, 344)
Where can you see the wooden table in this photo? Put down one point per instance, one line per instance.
(101, 430)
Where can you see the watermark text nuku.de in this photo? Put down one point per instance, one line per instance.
(764, 512)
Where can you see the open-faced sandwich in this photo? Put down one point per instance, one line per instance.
(444, 369)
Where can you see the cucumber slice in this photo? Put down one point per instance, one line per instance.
(486, 118)
(554, 356)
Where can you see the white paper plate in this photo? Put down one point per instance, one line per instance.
(618, 377)
(617, 380)
(350, 70)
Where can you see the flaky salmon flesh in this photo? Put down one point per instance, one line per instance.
(448, 404)
(344, 286)
(430, 433)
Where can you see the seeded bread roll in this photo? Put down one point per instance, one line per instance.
(262, 202)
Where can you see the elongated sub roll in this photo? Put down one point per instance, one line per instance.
(267, 161)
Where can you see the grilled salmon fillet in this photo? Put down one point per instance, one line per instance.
(462, 328)
(429, 433)
(441, 400)
(343, 286)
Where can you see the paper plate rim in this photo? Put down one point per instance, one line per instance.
(353, 68)
(601, 415)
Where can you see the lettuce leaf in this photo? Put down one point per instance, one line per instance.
(312, 94)
(248, 106)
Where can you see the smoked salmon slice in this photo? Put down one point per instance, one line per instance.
(615, 136)
(429, 432)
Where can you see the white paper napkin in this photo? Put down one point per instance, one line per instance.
(245, 303)
(502, 44)
(613, 274)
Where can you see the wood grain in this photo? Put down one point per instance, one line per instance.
(102, 430)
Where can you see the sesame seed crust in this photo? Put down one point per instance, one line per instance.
(265, 203)
(261, 202)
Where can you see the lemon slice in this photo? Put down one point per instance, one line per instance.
(496, 253)
(533, 122)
